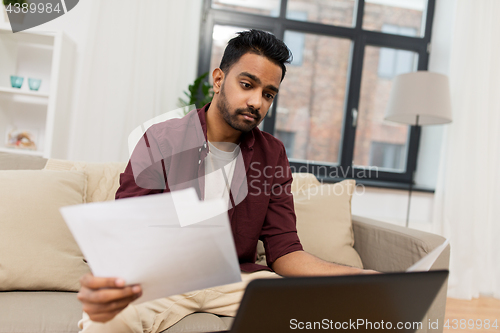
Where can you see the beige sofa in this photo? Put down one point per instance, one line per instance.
(381, 246)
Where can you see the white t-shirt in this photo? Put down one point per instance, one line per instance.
(219, 170)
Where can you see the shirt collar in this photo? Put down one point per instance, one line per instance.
(247, 140)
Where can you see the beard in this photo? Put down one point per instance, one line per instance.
(234, 119)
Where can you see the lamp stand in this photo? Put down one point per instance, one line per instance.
(409, 200)
(411, 188)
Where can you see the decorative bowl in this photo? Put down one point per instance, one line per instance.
(34, 84)
(16, 81)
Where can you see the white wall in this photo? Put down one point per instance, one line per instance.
(138, 61)
(390, 206)
(96, 109)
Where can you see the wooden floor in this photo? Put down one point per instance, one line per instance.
(479, 310)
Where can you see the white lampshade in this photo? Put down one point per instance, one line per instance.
(423, 94)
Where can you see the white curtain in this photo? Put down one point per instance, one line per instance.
(467, 206)
(141, 56)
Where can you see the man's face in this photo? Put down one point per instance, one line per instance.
(248, 91)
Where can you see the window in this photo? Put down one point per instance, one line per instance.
(393, 62)
(329, 112)
(296, 40)
(312, 110)
(375, 90)
(262, 7)
(387, 155)
(288, 139)
(378, 14)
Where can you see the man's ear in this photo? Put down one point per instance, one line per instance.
(218, 78)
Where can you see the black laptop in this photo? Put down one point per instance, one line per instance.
(362, 303)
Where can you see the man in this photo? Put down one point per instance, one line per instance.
(245, 85)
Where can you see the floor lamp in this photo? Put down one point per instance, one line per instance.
(419, 99)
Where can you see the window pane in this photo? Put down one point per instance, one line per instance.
(335, 12)
(399, 17)
(310, 108)
(260, 7)
(380, 143)
(220, 36)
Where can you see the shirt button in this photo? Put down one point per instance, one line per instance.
(199, 162)
(199, 150)
(204, 144)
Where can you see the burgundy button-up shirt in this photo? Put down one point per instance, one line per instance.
(170, 156)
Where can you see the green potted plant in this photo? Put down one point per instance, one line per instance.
(17, 18)
(199, 93)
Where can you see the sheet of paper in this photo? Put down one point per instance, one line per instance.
(426, 262)
(142, 240)
(188, 214)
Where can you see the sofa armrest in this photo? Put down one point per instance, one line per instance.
(390, 248)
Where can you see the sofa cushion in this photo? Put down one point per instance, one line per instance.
(302, 181)
(35, 312)
(37, 250)
(10, 161)
(102, 178)
(324, 221)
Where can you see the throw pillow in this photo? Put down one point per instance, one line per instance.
(103, 179)
(303, 180)
(37, 250)
(324, 221)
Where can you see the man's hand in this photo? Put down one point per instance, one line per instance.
(104, 298)
(301, 263)
(370, 271)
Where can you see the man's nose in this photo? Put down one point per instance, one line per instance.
(255, 101)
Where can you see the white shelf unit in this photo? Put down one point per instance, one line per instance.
(45, 55)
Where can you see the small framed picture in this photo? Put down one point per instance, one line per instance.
(21, 138)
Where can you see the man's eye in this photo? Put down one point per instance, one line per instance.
(269, 96)
(246, 85)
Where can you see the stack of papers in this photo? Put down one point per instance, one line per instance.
(169, 243)
(426, 262)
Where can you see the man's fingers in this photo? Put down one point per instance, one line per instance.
(92, 282)
(108, 295)
(96, 308)
(103, 317)
(104, 298)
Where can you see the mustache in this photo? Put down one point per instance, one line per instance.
(250, 111)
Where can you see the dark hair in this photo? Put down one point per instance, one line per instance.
(258, 42)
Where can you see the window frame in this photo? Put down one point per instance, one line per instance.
(360, 39)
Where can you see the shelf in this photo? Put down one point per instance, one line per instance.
(42, 38)
(46, 55)
(16, 91)
(21, 151)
